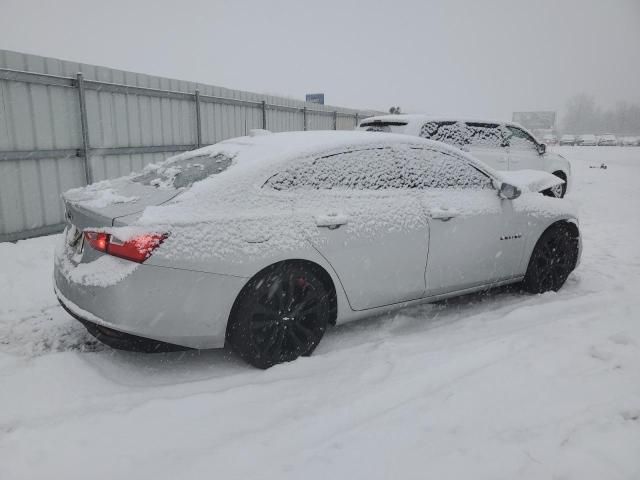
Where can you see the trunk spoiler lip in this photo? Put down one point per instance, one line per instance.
(113, 220)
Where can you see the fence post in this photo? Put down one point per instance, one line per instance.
(357, 119)
(84, 126)
(335, 120)
(304, 119)
(264, 115)
(198, 120)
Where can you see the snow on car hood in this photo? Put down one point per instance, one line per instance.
(530, 180)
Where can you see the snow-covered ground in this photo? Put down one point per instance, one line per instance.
(498, 386)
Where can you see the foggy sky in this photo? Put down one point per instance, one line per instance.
(477, 58)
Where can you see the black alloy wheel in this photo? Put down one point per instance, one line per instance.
(280, 315)
(554, 257)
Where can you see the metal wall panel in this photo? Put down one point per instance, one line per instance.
(146, 118)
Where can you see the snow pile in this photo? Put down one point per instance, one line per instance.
(31, 321)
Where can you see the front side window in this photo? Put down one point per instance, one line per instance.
(519, 139)
(398, 167)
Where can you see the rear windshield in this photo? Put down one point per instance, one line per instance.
(381, 126)
(183, 173)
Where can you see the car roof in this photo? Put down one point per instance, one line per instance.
(256, 158)
(420, 118)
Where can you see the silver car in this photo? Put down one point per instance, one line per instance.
(501, 145)
(262, 242)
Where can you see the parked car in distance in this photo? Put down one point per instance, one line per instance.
(567, 139)
(607, 140)
(262, 242)
(630, 141)
(550, 139)
(501, 145)
(587, 140)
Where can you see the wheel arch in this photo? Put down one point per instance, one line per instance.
(569, 223)
(561, 173)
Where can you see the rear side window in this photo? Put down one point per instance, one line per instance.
(488, 135)
(183, 173)
(398, 167)
(453, 133)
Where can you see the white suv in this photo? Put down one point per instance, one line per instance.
(502, 145)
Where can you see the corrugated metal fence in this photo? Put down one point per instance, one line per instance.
(64, 124)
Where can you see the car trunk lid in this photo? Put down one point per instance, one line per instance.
(100, 204)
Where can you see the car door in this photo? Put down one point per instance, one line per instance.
(488, 143)
(475, 238)
(523, 151)
(355, 211)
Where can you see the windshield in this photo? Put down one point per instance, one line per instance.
(183, 173)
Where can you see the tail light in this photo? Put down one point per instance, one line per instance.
(136, 249)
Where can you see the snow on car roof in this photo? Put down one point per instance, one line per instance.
(265, 148)
(256, 158)
(253, 155)
(420, 117)
(415, 120)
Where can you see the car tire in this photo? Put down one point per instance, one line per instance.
(559, 190)
(554, 257)
(280, 315)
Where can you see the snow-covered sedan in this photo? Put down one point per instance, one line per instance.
(607, 140)
(501, 145)
(263, 241)
(587, 140)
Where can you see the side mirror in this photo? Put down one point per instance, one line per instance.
(542, 149)
(508, 191)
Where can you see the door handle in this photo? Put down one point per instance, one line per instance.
(443, 214)
(331, 220)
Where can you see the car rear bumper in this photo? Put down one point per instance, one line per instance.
(118, 339)
(178, 307)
